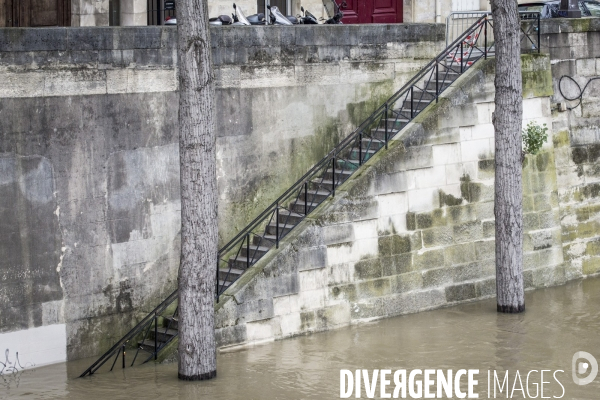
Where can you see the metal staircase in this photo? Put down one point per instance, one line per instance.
(265, 232)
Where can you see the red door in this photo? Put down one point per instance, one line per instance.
(371, 11)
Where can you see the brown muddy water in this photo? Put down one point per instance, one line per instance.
(558, 322)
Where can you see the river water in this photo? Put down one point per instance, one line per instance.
(558, 322)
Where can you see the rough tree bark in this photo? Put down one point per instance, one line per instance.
(197, 351)
(507, 119)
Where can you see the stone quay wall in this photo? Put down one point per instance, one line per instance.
(89, 174)
(415, 229)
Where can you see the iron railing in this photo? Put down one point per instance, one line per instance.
(320, 182)
(149, 324)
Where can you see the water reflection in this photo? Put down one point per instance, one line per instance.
(558, 322)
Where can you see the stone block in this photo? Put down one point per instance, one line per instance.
(367, 309)
(416, 157)
(337, 234)
(367, 269)
(343, 292)
(391, 183)
(468, 232)
(312, 299)
(374, 288)
(333, 316)
(429, 259)
(435, 237)
(312, 258)
(423, 199)
(262, 330)
(430, 177)
(460, 254)
(489, 228)
(486, 288)
(444, 154)
(406, 282)
(454, 172)
(476, 270)
(414, 301)
(475, 150)
(290, 324)
(40, 39)
(437, 277)
(485, 249)
(231, 335)
(591, 265)
(462, 292)
(392, 204)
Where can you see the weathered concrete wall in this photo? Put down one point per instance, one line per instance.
(89, 181)
(413, 231)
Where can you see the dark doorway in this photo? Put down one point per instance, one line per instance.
(371, 11)
(35, 13)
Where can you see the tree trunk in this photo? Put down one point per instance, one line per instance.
(507, 118)
(197, 272)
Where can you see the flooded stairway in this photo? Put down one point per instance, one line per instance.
(292, 210)
(159, 328)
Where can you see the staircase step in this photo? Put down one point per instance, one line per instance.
(349, 164)
(231, 274)
(395, 124)
(317, 195)
(379, 133)
(299, 206)
(417, 104)
(238, 262)
(365, 154)
(283, 228)
(291, 217)
(171, 322)
(148, 345)
(163, 334)
(223, 285)
(442, 85)
(341, 175)
(265, 240)
(256, 252)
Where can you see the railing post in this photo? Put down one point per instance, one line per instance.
(461, 56)
(247, 250)
(539, 33)
(333, 169)
(411, 101)
(360, 148)
(123, 355)
(386, 125)
(217, 281)
(306, 196)
(437, 74)
(277, 225)
(485, 39)
(155, 336)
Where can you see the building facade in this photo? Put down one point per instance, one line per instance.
(38, 13)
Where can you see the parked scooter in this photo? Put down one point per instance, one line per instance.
(254, 19)
(277, 18)
(334, 13)
(307, 18)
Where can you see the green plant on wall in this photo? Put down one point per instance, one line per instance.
(534, 137)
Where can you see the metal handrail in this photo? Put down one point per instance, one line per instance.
(340, 160)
